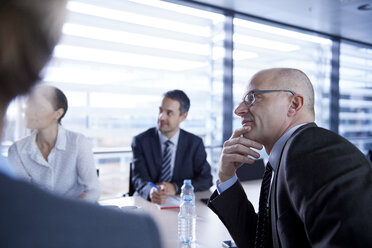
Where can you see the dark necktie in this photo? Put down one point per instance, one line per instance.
(165, 175)
(262, 230)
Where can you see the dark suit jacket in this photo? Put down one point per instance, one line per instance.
(190, 162)
(321, 196)
(32, 218)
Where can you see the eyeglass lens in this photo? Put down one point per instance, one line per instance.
(249, 98)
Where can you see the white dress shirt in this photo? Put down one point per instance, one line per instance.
(69, 170)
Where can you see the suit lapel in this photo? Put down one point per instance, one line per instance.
(156, 151)
(179, 153)
(273, 210)
(273, 191)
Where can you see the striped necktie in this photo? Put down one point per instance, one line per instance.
(165, 175)
(262, 231)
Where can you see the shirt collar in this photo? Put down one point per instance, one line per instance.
(276, 152)
(173, 139)
(32, 146)
(60, 142)
(61, 138)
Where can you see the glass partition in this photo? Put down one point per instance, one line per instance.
(356, 95)
(259, 46)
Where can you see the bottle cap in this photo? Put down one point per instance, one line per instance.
(187, 181)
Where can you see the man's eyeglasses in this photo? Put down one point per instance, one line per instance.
(250, 98)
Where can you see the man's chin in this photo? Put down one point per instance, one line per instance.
(247, 135)
(250, 135)
(162, 129)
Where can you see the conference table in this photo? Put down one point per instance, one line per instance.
(210, 232)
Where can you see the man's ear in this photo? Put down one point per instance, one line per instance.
(183, 116)
(296, 104)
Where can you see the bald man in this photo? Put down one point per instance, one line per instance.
(317, 186)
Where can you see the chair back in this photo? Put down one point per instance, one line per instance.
(369, 155)
(131, 189)
(131, 186)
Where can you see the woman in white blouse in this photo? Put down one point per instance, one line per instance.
(52, 157)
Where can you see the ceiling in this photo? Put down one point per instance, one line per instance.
(348, 19)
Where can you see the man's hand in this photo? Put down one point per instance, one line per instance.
(169, 188)
(235, 153)
(158, 196)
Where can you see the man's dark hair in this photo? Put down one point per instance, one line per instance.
(181, 97)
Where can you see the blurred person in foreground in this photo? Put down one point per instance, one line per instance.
(53, 157)
(317, 186)
(167, 154)
(29, 216)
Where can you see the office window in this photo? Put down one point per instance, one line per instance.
(117, 57)
(115, 60)
(258, 46)
(356, 95)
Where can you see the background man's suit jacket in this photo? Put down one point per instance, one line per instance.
(190, 162)
(32, 218)
(321, 196)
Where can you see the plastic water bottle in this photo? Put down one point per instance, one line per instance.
(187, 214)
(187, 190)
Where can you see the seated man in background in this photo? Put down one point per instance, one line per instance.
(167, 155)
(29, 216)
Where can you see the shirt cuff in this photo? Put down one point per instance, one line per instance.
(221, 187)
(177, 188)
